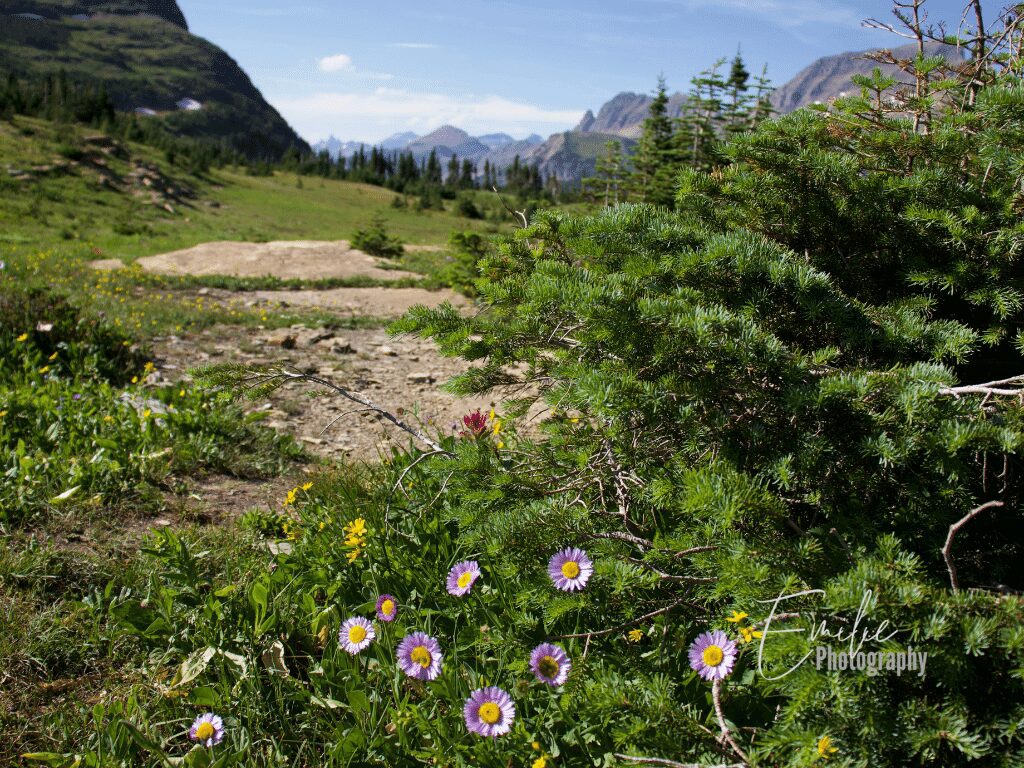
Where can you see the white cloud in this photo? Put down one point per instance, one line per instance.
(412, 45)
(339, 62)
(369, 116)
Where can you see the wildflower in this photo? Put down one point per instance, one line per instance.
(135, 379)
(307, 486)
(289, 498)
(635, 635)
(535, 745)
(570, 569)
(489, 712)
(44, 370)
(52, 357)
(419, 656)
(825, 748)
(2, 414)
(147, 413)
(77, 396)
(148, 368)
(355, 538)
(713, 655)
(387, 608)
(540, 762)
(550, 664)
(462, 576)
(476, 424)
(356, 634)
(737, 616)
(749, 633)
(22, 339)
(207, 729)
(181, 393)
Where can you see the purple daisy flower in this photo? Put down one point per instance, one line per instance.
(570, 569)
(419, 656)
(356, 634)
(207, 729)
(550, 664)
(713, 655)
(489, 712)
(462, 576)
(387, 608)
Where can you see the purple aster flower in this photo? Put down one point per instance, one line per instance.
(713, 655)
(489, 712)
(550, 664)
(356, 634)
(207, 729)
(387, 608)
(570, 569)
(462, 576)
(419, 656)
(76, 396)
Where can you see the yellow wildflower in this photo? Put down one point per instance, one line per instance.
(181, 393)
(2, 414)
(825, 748)
(635, 635)
(22, 338)
(108, 419)
(290, 498)
(540, 762)
(135, 379)
(52, 357)
(44, 370)
(147, 413)
(749, 633)
(149, 368)
(536, 745)
(497, 426)
(737, 616)
(307, 486)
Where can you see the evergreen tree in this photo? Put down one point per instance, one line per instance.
(657, 154)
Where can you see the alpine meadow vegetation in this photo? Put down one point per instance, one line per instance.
(780, 410)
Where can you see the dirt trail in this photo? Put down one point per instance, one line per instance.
(402, 375)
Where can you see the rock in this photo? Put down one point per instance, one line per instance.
(387, 351)
(203, 291)
(321, 335)
(342, 347)
(283, 340)
(420, 378)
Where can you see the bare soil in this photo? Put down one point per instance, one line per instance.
(296, 259)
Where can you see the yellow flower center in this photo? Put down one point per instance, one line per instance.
(713, 655)
(387, 607)
(548, 666)
(540, 762)
(205, 731)
(490, 713)
(465, 579)
(571, 569)
(420, 655)
(356, 634)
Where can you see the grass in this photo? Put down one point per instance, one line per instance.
(67, 201)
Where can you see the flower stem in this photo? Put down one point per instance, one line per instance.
(726, 735)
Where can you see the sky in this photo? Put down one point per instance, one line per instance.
(362, 70)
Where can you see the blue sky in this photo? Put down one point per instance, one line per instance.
(365, 70)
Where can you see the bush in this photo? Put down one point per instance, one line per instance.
(375, 240)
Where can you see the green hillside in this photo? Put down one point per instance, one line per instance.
(146, 61)
(125, 200)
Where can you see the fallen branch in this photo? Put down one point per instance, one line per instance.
(672, 763)
(953, 530)
(265, 378)
(989, 388)
(620, 627)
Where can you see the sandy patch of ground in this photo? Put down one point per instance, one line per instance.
(293, 259)
(363, 302)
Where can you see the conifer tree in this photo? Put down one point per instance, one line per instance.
(657, 154)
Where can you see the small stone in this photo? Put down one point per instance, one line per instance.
(342, 347)
(387, 351)
(420, 378)
(283, 340)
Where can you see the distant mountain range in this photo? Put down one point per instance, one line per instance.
(572, 155)
(143, 53)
